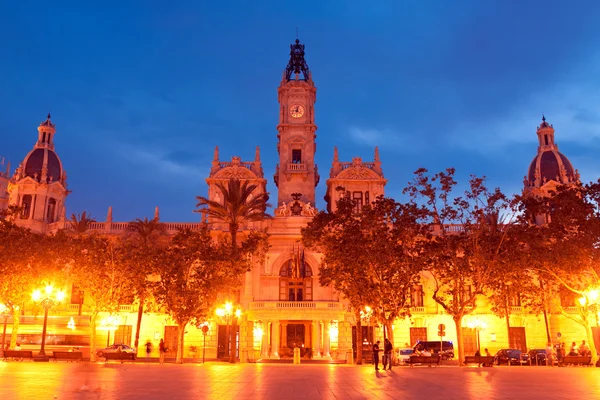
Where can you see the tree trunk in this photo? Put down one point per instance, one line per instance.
(15, 327)
(233, 333)
(93, 335)
(459, 339)
(507, 316)
(180, 343)
(139, 324)
(358, 340)
(591, 343)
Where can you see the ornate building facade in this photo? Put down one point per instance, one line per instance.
(283, 306)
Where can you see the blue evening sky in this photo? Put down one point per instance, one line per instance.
(142, 92)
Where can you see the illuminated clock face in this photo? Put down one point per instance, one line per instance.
(296, 111)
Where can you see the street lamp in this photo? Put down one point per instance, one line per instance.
(478, 325)
(47, 299)
(5, 311)
(227, 312)
(366, 316)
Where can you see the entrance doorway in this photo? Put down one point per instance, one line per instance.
(367, 343)
(171, 341)
(296, 334)
(518, 339)
(224, 341)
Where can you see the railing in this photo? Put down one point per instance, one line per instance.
(417, 310)
(125, 307)
(244, 164)
(346, 165)
(516, 309)
(572, 309)
(73, 308)
(296, 167)
(331, 305)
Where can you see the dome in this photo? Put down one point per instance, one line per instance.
(34, 163)
(548, 166)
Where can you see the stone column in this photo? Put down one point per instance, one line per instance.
(316, 352)
(326, 341)
(283, 336)
(265, 340)
(247, 296)
(275, 340)
(307, 341)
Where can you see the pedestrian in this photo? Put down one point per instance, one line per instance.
(148, 350)
(387, 354)
(376, 355)
(584, 350)
(162, 350)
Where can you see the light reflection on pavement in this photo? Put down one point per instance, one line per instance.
(40, 381)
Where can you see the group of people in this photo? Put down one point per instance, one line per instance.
(162, 349)
(558, 351)
(388, 348)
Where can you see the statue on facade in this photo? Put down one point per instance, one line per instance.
(309, 211)
(283, 210)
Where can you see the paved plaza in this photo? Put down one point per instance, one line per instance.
(41, 381)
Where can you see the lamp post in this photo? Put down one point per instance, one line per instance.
(366, 316)
(478, 325)
(5, 311)
(47, 299)
(227, 312)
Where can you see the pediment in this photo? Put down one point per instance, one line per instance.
(235, 172)
(358, 173)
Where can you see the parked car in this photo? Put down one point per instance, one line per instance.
(404, 355)
(538, 357)
(447, 348)
(115, 348)
(511, 356)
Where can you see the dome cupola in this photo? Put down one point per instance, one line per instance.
(549, 165)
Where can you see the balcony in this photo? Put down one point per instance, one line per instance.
(516, 309)
(297, 305)
(125, 307)
(417, 310)
(296, 167)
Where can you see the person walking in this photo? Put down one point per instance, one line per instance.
(549, 355)
(148, 350)
(162, 350)
(376, 355)
(387, 354)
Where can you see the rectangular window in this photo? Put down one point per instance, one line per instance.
(514, 299)
(357, 198)
(466, 293)
(296, 156)
(367, 198)
(417, 296)
(123, 334)
(76, 295)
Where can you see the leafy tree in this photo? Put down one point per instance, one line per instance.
(242, 203)
(569, 251)
(465, 249)
(22, 268)
(190, 272)
(145, 233)
(80, 223)
(371, 257)
(97, 266)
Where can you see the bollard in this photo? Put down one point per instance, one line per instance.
(350, 357)
(297, 355)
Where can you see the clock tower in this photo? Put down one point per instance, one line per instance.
(296, 175)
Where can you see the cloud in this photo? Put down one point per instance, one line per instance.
(162, 164)
(380, 137)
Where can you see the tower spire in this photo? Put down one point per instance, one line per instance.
(297, 64)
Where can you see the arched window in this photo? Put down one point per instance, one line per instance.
(50, 213)
(295, 281)
(26, 206)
